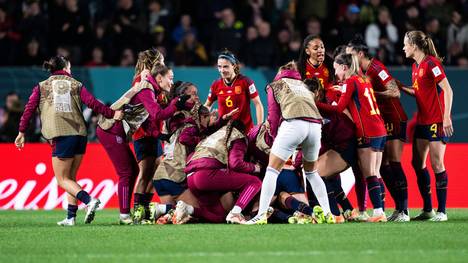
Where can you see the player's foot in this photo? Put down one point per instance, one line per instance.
(318, 215)
(401, 217)
(300, 219)
(139, 213)
(350, 215)
(67, 222)
(377, 218)
(182, 214)
(424, 215)
(125, 220)
(235, 218)
(259, 219)
(340, 219)
(393, 216)
(167, 218)
(91, 208)
(362, 216)
(329, 218)
(155, 211)
(439, 217)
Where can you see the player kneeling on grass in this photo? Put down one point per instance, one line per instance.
(59, 100)
(216, 167)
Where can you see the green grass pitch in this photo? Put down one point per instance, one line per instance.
(32, 236)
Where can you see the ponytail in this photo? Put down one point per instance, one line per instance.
(351, 61)
(55, 63)
(147, 59)
(423, 42)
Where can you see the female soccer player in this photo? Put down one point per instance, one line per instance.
(59, 100)
(115, 135)
(434, 97)
(394, 116)
(290, 100)
(216, 167)
(234, 90)
(314, 62)
(358, 97)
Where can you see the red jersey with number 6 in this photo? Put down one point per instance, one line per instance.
(236, 95)
(358, 96)
(429, 96)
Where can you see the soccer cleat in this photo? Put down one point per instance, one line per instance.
(362, 216)
(258, 220)
(235, 218)
(439, 217)
(424, 215)
(154, 211)
(67, 222)
(401, 217)
(125, 219)
(318, 215)
(377, 219)
(350, 215)
(181, 214)
(330, 218)
(167, 218)
(139, 213)
(91, 208)
(340, 219)
(300, 219)
(146, 222)
(393, 216)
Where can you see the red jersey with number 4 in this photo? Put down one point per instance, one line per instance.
(358, 96)
(236, 95)
(429, 96)
(321, 72)
(390, 108)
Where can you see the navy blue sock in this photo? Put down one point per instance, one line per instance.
(138, 199)
(441, 189)
(296, 205)
(424, 185)
(343, 200)
(401, 185)
(330, 185)
(382, 192)
(279, 216)
(148, 198)
(389, 179)
(71, 211)
(83, 196)
(373, 187)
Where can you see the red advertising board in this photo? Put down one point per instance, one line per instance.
(27, 182)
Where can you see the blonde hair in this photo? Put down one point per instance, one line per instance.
(147, 59)
(291, 65)
(351, 61)
(423, 42)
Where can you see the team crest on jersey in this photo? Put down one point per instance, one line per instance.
(325, 72)
(238, 89)
(421, 72)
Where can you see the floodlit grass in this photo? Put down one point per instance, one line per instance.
(33, 236)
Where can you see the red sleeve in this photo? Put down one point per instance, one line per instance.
(190, 137)
(274, 113)
(350, 88)
(89, 100)
(29, 109)
(212, 96)
(146, 96)
(436, 71)
(381, 74)
(236, 158)
(253, 93)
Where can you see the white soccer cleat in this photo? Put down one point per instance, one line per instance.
(155, 212)
(401, 217)
(91, 208)
(235, 218)
(67, 222)
(439, 217)
(182, 214)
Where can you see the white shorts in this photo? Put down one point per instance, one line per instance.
(294, 133)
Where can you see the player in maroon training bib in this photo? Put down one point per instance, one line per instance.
(234, 90)
(434, 97)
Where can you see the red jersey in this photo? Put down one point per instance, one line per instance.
(321, 72)
(429, 96)
(236, 95)
(358, 97)
(390, 108)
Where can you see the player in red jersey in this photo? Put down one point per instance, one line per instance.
(358, 97)
(434, 97)
(394, 116)
(234, 90)
(313, 62)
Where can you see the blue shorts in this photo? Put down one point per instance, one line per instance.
(168, 187)
(147, 146)
(288, 182)
(433, 133)
(68, 146)
(376, 143)
(396, 130)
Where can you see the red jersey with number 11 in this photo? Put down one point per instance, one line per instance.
(358, 97)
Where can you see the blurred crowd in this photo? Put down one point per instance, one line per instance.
(263, 33)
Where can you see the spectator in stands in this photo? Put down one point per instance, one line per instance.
(283, 40)
(313, 28)
(190, 52)
(127, 59)
(434, 31)
(351, 25)
(128, 25)
(157, 14)
(382, 34)
(33, 24)
(10, 117)
(185, 26)
(97, 58)
(33, 54)
(440, 10)
(370, 11)
(101, 38)
(264, 53)
(454, 48)
(228, 33)
(8, 38)
(246, 54)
